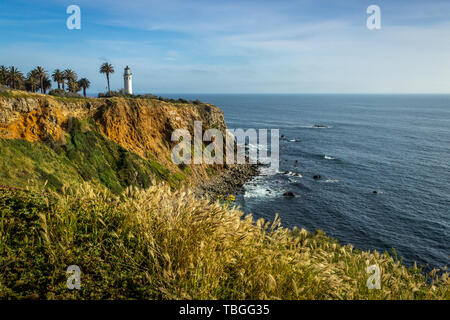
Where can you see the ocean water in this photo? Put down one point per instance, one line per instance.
(398, 145)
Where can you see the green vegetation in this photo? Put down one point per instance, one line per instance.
(85, 156)
(38, 80)
(157, 244)
(84, 83)
(121, 94)
(211, 171)
(107, 69)
(64, 94)
(112, 94)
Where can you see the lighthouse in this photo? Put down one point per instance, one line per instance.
(127, 81)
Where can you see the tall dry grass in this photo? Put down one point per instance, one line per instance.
(159, 244)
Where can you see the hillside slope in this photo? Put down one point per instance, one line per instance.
(115, 142)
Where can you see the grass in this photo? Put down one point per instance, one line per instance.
(160, 244)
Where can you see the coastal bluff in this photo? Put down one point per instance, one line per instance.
(127, 137)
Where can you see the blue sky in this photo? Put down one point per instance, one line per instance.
(207, 46)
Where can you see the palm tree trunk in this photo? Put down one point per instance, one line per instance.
(42, 85)
(58, 85)
(63, 82)
(84, 91)
(107, 79)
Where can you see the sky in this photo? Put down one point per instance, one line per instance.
(228, 46)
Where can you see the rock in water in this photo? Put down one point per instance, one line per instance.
(289, 194)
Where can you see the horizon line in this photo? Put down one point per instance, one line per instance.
(291, 93)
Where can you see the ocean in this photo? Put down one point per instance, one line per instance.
(397, 145)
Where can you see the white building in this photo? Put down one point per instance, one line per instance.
(127, 81)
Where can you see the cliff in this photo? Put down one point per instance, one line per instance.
(97, 135)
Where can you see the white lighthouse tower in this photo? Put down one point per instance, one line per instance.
(127, 81)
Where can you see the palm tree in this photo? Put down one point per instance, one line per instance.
(32, 81)
(70, 76)
(46, 84)
(107, 68)
(41, 73)
(15, 77)
(58, 77)
(4, 74)
(84, 83)
(73, 86)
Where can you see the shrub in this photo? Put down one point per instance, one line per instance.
(112, 94)
(62, 93)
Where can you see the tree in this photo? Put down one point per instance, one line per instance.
(4, 74)
(73, 86)
(15, 77)
(46, 84)
(41, 73)
(32, 82)
(107, 69)
(58, 77)
(84, 83)
(70, 76)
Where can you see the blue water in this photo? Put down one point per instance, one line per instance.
(398, 145)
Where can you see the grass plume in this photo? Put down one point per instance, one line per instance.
(163, 244)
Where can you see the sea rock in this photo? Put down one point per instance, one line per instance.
(289, 194)
(317, 177)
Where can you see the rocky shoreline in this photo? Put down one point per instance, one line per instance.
(228, 181)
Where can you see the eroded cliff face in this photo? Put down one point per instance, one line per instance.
(143, 126)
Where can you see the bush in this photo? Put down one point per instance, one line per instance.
(62, 93)
(112, 94)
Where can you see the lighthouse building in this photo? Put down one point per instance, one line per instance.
(127, 81)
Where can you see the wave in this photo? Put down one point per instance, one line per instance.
(328, 157)
(258, 188)
(268, 171)
(294, 174)
(331, 181)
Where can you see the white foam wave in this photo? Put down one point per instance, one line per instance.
(259, 188)
(293, 174)
(268, 171)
